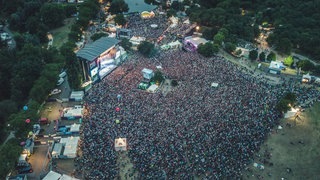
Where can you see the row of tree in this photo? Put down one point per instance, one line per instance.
(29, 72)
(293, 27)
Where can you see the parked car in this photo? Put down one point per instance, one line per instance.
(63, 74)
(43, 121)
(25, 170)
(60, 81)
(55, 91)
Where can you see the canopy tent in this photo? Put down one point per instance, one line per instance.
(70, 148)
(306, 78)
(147, 73)
(120, 144)
(290, 113)
(75, 127)
(153, 88)
(214, 85)
(77, 95)
(143, 86)
(276, 65)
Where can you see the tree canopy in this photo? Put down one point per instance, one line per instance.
(208, 49)
(118, 6)
(146, 48)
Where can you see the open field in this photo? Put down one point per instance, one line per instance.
(60, 35)
(292, 152)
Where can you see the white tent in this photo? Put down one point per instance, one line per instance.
(75, 127)
(306, 78)
(120, 144)
(136, 40)
(70, 148)
(147, 73)
(153, 88)
(276, 65)
(290, 113)
(52, 176)
(214, 85)
(77, 95)
(175, 44)
(72, 112)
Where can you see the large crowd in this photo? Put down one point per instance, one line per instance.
(193, 130)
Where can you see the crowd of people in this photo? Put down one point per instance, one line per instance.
(142, 27)
(193, 130)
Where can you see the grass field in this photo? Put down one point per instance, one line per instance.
(60, 35)
(292, 152)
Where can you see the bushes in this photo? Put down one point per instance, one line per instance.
(287, 100)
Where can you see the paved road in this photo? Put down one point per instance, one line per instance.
(39, 161)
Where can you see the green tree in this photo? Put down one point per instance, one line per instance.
(262, 56)
(171, 12)
(288, 61)
(230, 47)
(238, 52)
(9, 154)
(126, 44)
(6, 69)
(174, 83)
(120, 20)
(118, 6)
(253, 55)
(146, 48)
(218, 38)
(207, 49)
(306, 65)
(284, 46)
(207, 33)
(283, 105)
(72, 65)
(97, 36)
(291, 97)
(272, 56)
(158, 77)
(52, 15)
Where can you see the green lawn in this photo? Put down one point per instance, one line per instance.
(60, 35)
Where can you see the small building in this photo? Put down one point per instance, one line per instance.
(120, 144)
(70, 146)
(76, 96)
(136, 40)
(214, 85)
(72, 112)
(276, 67)
(147, 73)
(153, 88)
(123, 33)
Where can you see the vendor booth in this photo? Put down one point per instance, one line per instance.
(147, 73)
(120, 144)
